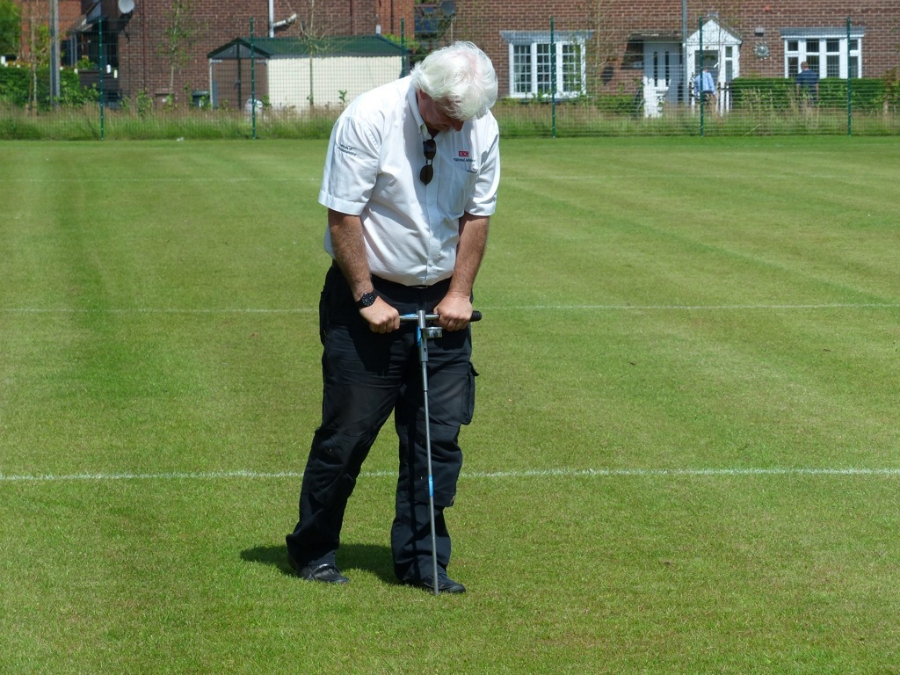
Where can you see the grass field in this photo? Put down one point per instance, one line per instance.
(685, 456)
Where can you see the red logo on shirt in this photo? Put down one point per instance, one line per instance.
(463, 153)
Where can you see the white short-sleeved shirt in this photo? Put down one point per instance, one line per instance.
(372, 170)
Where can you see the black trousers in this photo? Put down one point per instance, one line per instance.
(367, 376)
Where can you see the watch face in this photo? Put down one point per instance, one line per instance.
(366, 300)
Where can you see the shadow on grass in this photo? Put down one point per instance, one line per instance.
(367, 557)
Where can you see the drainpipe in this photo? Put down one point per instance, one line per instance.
(271, 18)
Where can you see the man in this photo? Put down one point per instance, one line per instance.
(705, 87)
(410, 183)
(807, 83)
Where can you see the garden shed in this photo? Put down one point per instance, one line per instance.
(299, 73)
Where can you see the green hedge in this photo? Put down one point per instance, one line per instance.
(781, 93)
(622, 104)
(16, 84)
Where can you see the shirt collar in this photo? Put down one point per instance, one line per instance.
(414, 107)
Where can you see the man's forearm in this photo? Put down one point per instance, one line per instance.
(473, 232)
(350, 251)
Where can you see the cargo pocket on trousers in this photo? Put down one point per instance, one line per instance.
(328, 468)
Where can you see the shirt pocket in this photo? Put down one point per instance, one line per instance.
(457, 186)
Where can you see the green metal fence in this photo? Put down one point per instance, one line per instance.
(559, 81)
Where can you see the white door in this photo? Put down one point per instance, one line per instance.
(721, 54)
(662, 75)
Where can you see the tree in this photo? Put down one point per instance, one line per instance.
(10, 27)
(602, 50)
(180, 35)
(313, 38)
(37, 48)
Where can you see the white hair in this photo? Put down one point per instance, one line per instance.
(461, 77)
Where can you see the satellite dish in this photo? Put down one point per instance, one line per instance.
(448, 8)
(126, 6)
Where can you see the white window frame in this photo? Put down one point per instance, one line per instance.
(817, 48)
(535, 48)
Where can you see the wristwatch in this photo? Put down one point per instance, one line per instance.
(366, 300)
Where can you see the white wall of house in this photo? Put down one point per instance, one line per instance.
(290, 86)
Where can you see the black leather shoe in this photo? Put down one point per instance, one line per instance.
(326, 573)
(445, 584)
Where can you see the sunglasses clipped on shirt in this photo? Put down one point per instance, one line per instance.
(429, 147)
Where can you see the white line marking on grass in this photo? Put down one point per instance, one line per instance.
(510, 308)
(499, 475)
(150, 310)
(172, 475)
(866, 305)
(568, 473)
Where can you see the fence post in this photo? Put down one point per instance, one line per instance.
(698, 78)
(404, 63)
(252, 83)
(849, 85)
(102, 69)
(54, 53)
(552, 77)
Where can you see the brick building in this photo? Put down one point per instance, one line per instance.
(141, 36)
(140, 55)
(651, 48)
(37, 12)
(655, 49)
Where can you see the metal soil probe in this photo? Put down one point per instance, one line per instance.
(423, 333)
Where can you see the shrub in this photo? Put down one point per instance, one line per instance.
(781, 93)
(16, 84)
